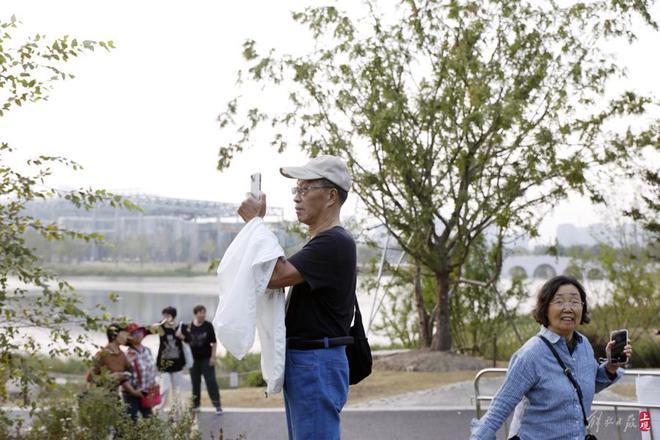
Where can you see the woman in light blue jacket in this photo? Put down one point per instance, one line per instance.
(552, 407)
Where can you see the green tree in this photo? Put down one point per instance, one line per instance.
(630, 297)
(479, 311)
(647, 210)
(455, 117)
(398, 320)
(30, 295)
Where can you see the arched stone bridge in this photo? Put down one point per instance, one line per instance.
(534, 266)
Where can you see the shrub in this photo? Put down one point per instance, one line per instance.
(100, 414)
(251, 362)
(646, 354)
(255, 379)
(249, 369)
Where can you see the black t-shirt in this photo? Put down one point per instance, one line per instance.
(322, 306)
(170, 357)
(200, 339)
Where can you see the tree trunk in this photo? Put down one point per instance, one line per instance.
(424, 329)
(442, 338)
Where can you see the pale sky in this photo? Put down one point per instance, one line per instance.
(143, 116)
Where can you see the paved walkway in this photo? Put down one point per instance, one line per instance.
(374, 424)
(441, 413)
(459, 395)
(356, 424)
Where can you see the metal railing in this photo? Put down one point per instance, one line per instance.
(478, 398)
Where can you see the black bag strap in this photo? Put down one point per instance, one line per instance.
(357, 321)
(358, 315)
(569, 374)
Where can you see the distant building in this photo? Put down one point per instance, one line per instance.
(166, 230)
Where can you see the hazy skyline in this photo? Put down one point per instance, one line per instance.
(143, 116)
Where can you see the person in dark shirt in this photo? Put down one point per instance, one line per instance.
(170, 359)
(321, 302)
(201, 337)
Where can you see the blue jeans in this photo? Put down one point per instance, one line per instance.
(315, 391)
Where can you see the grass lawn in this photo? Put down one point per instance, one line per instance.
(380, 384)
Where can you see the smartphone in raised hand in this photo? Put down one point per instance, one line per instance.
(255, 185)
(620, 338)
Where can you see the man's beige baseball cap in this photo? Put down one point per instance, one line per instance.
(322, 167)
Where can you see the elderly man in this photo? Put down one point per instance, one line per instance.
(321, 302)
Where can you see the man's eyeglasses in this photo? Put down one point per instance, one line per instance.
(302, 191)
(573, 304)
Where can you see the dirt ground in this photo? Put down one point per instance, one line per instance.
(393, 374)
(429, 361)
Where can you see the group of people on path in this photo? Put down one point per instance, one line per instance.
(147, 383)
(551, 380)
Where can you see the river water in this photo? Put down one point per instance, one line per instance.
(142, 299)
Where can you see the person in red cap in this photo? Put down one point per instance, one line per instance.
(143, 378)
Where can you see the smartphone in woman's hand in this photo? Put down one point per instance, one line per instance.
(620, 338)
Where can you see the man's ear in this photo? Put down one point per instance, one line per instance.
(333, 199)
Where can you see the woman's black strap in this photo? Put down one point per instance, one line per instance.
(569, 374)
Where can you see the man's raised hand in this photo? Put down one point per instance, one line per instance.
(252, 207)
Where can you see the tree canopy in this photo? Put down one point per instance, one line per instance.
(30, 295)
(458, 119)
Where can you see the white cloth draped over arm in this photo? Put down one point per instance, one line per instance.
(246, 304)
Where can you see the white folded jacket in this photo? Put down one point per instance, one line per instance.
(246, 303)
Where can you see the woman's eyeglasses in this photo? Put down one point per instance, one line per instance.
(573, 304)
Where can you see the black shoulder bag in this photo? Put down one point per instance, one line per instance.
(358, 353)
(569, 375)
